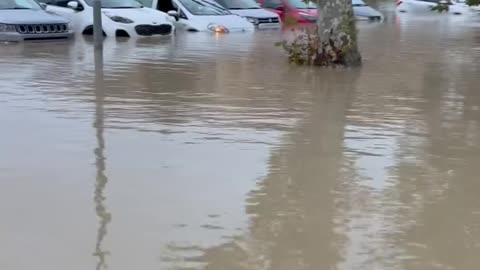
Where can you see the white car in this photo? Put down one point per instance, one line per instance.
(198, 15)
(464, 4)
(120, 18)
(27, 20)
(252, 11)
(362, 11)
(456, 7)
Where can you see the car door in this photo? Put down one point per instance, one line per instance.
(183, 21)
(425, 5)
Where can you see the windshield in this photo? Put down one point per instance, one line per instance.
(202, 8)
(239, 4)
(300, 4)
(117, 3)
(19, 4)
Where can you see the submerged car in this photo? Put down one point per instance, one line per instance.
(120, 18)
(362, 11)
(301, 11)
(27, 20)
(198, 15)
(457, 7)
(464, 3)
(251, 10)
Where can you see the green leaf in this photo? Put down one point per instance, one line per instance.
(440, 8)
(473, 2)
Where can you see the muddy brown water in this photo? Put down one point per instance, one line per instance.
(210, 152)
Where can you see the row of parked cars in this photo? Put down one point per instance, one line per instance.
(60, 19)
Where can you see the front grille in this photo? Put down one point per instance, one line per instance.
(41, 28)
(149, 30)
(46, 38)
(268, 20)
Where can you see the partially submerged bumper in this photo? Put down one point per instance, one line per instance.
(139, 30)
(265, 26)
(367, 13)
(16, 37)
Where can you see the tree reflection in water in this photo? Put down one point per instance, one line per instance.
(292, 223)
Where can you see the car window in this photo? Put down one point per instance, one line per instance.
(182, 15)
(146, 3)
(358, 3)
(301, 4)
(239, 4)
(60, 3)
(117, 3)
(273, 4)
(19, 4)
(203, 8)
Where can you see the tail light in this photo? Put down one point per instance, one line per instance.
(399, 2)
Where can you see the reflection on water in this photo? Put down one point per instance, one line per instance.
(101, 180)
(221, 156)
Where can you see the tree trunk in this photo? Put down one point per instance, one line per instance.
(337, 34)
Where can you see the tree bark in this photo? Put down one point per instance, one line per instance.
(337, 34)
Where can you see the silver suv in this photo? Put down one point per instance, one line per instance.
(27, 20)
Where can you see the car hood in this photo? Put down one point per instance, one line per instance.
(29, 16)
(139, 15)
(232, 22)
(254, 13)
(366, 11)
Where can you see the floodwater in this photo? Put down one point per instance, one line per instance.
(211, 152)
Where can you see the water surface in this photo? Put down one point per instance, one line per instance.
(210, 152)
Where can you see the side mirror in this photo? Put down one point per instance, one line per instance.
(280, 8)
(43, 5)
(73, 5)
(173, 13)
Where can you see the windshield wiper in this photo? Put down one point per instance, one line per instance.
(201, 4)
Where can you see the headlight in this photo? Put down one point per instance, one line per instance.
(217, 28)
(7, 28)
(118, 19)
(252, 20)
